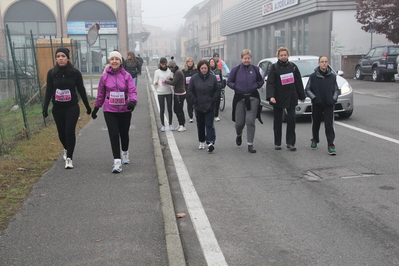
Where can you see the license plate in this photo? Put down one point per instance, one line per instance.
(390, 66)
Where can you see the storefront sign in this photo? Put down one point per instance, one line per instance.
(277, 5)
(81, 27)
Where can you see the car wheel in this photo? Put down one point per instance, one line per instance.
(346, 114)
(376, 75)
(358, 74)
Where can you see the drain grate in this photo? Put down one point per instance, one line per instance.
(334, 173)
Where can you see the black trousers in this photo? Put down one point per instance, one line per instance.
(66, 119)
(278, 126)
(178, 108)
(317, 114)
(190, 109)
(118, 125)
(161, 100)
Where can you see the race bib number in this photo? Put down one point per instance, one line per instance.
(163, 81)
(188, 80)
(287, 78)
(117, 98)
(217, 77)
(62, 95)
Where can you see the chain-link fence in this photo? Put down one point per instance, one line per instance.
(23, 71)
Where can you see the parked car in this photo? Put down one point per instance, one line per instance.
(306, 65)
(397, 65)
(379, 62)
(155, 58)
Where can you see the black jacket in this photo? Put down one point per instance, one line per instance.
(203, 92)
(286, 95)
(322, 89)
(189, 73)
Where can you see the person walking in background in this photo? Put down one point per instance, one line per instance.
(220, 63)
(283, 89)
(64, 82)
(164, 91)
(245, 79)
(178, 82)
(322, 89)
(117, 95)
(189, 70)
(203, 93)
(218, 74)
(140, 62)
(132, 66)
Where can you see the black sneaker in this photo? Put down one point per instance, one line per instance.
(291, 147)
(211, 147)
(239, 140)
(251, 149)
(277, 147)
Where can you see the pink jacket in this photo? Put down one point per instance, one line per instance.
(115, 81)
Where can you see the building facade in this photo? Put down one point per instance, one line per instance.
(306, 27)
(68, 19)
(159, 43)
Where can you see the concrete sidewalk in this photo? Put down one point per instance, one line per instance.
(89, 216)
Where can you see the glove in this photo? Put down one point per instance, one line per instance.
(94, 113)
(45, 113)
(314, 100)
(131, 105)
(88, 110)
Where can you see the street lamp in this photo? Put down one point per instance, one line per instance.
(371, 30)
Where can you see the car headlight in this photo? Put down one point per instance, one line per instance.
(346, 88)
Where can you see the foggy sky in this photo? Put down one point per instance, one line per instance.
(167, 14)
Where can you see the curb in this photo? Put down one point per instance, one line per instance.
(172, 236)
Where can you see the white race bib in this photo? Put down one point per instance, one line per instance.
(287, 78)
(63, 95)
(117, 98)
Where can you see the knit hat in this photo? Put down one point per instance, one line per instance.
(215, 55)
(62, 50)
(171, 64)
(163, 60)
(115, 54)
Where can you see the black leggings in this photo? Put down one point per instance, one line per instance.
(161, 100)
(118, 125)
(66, 119)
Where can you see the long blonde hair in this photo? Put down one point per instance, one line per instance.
(186, 66)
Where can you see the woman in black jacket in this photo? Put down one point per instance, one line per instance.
(203, 93)
(283, 90)
(64, 82)
(132, 66)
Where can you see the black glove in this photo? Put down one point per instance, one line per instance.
(131, 105)
(45, 113)
(94, 113)
(314, 100)
(88, 110)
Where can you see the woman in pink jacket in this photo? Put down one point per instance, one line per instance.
(118, 96)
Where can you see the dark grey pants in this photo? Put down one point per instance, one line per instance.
(247, 117)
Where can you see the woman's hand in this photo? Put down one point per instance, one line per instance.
(272, 100)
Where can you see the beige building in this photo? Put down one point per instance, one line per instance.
(203, 29)
(68, 19)
(159, 43)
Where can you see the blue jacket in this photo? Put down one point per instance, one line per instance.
(245, 79)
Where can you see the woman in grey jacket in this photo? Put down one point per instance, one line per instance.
(203, 93)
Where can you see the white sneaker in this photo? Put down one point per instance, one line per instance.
(68, 163)
(125, 158)
(64, 156)
(171, 128)
(117, 166)
(201, 145)
(162, 128)
(217, 119)
(191, 120)
(181, 128)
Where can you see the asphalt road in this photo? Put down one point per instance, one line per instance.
(293, 208)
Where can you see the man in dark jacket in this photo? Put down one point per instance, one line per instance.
(179, 84)
(322, 89)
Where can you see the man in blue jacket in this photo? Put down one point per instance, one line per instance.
(322, 89)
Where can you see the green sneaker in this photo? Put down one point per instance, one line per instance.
(313, 146)
(331, 150)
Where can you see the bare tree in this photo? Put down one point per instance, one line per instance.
(381, 16)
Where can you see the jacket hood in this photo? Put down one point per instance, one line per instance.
(318, 71)
(112, 71)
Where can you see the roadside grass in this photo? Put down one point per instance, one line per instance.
(25, 164)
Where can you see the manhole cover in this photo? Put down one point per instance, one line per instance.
(332, 173)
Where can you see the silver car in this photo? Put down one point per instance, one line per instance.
(306, 65)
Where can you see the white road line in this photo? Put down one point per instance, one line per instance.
(368, 132)
(209, 244)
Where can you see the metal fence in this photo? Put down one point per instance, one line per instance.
(22, 87)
